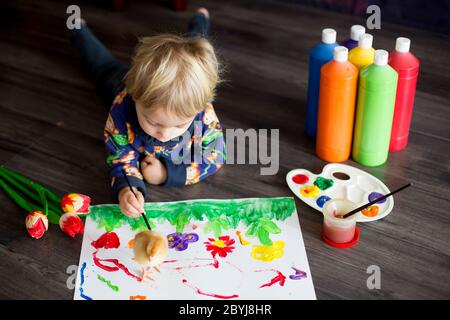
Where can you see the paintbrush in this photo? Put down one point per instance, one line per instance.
(374, 201)
(131, 188)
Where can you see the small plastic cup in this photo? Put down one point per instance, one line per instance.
(336, 229)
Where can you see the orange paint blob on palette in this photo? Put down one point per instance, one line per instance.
(370, 211)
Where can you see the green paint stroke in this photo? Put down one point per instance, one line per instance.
(108, 283)
(258, 214)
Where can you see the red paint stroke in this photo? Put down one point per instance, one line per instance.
(108, 240)
(279, 278)
(218, 296)
(215, 263)
(117, 266)
(300, 178)
(235, 266)
(169, 261)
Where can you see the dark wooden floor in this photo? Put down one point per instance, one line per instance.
(52, 121)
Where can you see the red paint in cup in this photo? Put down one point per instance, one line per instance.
(335, 228)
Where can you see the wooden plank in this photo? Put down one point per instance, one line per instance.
(53, 121)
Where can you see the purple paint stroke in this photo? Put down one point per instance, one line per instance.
(299, 274)
(180, 241)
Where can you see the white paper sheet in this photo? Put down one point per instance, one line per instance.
(193, 273)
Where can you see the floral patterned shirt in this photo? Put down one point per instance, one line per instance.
(127, 145)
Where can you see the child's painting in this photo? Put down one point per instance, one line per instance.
(218, 249)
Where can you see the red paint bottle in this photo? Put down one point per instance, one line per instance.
(407, 67)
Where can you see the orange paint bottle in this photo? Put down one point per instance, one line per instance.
(336, 114)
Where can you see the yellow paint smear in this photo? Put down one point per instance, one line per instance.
(268, 253)
(309, 191)
(241, 239)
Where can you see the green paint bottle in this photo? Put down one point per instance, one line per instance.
(375, 111)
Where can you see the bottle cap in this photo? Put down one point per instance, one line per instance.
(365, 41)
(402, 44)
(381, 57)
(356, 32)
(340, 54)
(328, 36)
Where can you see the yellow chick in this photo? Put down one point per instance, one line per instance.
(150, 250)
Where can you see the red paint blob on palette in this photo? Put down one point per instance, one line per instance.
(108, 240)
(300, 178)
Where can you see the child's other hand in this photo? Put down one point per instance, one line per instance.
(129, 204)
(153, 170)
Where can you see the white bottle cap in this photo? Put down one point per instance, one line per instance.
(402, 44)
(381, 57)
(328, 36)
(356, 32)
(340, 54)
(365, 41)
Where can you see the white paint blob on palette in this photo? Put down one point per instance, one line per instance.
(340, 181)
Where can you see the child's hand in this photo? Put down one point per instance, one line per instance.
(129, 204)
(153, 170)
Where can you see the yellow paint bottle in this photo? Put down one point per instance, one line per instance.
(363, 54)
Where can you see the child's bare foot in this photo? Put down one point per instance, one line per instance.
(204, 11)
(147, 275)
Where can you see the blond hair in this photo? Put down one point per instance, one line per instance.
(176, 73)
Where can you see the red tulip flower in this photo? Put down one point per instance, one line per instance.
(36, 223)
(74, 202)
(71, 224)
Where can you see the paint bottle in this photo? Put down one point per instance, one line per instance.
(374, 111)
(407, 67)
(336, 114)
(356, 32)
(318, 56)
(363, 54)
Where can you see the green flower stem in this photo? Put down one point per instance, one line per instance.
(53, 217)
(38, 198)
(44, 201)
(50, 195)
(54, 199)
(17, 198)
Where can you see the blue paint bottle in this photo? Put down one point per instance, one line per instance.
(318, 56)
(356, 32)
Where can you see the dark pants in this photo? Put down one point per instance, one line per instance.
(107, 71)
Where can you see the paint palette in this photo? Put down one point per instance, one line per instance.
(340, 181)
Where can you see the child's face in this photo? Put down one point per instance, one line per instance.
(160, 124)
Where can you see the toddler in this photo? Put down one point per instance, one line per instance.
(161, 128)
